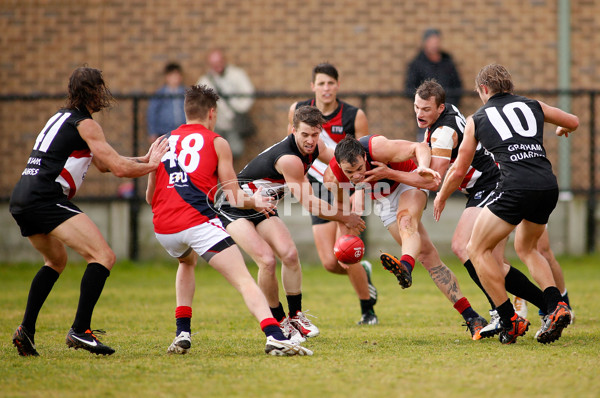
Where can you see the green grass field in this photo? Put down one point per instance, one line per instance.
(419, 348)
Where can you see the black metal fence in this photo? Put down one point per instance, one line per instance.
(389, 113)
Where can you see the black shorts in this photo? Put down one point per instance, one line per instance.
(43, 220)
(323, 193)
(218, 248)
(518, 205)
(229, 214)
(480, 198)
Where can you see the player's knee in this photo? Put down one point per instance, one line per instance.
(331, 265)
(405, 224)
(472, 251)
(108, 258)
(267, 262)
(290, 256)
(57, 262)
(459, 249)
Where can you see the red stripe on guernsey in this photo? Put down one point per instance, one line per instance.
(334, 121)
(69, 179)
(84, 153)
(468, 176)
(313, 168)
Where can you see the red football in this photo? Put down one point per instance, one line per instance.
(349, 249)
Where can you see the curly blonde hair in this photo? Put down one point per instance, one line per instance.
(496, 77)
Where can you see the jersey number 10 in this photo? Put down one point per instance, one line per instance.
(516, 126)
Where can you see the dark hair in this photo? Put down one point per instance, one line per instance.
(310, 115)
(349, 150)
(431, 88)
(325, 68)
(173, 67)
(496, 77)
(431, 32)
(88, 90)
(199, 99)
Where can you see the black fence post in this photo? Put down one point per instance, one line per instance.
(134, 201)
(591, 210)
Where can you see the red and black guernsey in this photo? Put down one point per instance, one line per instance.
(378, 188)
(261, 172)
(57, 164)
(186, 180)
(338, 124)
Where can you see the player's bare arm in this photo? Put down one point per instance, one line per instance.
(423, 178)
(344, 200)
(361, 125)
(566, 122)
(458, 170)
(292, 169)
(443, 140)
(291, 118)
(385, 151)
(229, 182)
(150, 187)
(341, 195)
(146, 157)
(109, 160)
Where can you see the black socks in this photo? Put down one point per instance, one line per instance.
(519, 285)
(473, 274)
(92, 284)
(40, 288)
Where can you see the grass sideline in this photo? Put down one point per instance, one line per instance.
(419, 348)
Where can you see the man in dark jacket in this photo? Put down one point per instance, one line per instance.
(432, 62)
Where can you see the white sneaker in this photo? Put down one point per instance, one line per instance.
(284, 348)
(492, 328)
(181, 344)
(520, 307)
(290, 332)
(301, 322)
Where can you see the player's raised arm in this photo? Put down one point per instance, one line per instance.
(109, 160)
(566, 122)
